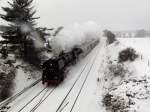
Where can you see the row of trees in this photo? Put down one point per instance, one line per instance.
(136, 33)
(111, 37)
(142, 33)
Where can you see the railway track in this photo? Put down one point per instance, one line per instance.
(40, 102)
(83, 84)
(47, 92)
(32, 99)
(71, 88)
(42, 95)
(43, 98)
(35, 101)
(63, 105)
(11, 99)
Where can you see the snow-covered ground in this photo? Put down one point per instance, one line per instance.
(125, 86)
(130, 91)
(142, 45)
(25, 76)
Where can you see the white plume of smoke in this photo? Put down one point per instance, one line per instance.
(33, 35)
(73, 35)
(26, 28)
(38, 43)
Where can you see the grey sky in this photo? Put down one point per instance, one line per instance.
(111, 14)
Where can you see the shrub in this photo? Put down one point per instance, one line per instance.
(112, 103)
(116, 103)
(110, 36)
(7, 75)
(128, 54)
(125, 97)
(117, 70)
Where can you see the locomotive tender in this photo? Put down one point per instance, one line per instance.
(54, 68)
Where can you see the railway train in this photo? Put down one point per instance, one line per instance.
(54, 68)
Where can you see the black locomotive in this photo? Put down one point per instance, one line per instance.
(53, 69)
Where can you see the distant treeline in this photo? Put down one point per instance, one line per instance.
(137, 33)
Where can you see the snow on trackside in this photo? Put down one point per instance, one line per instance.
(128, 91)
(26, 74)
(75, 34)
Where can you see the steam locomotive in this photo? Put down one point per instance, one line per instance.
(54, 68)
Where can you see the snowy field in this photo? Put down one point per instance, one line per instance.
(142, 45)
(130, 90)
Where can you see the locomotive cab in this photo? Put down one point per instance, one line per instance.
(51, 71)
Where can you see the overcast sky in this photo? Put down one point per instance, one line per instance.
(111, 14)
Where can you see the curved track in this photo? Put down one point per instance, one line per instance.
(48, 93)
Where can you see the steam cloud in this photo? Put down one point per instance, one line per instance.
(75, 34)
